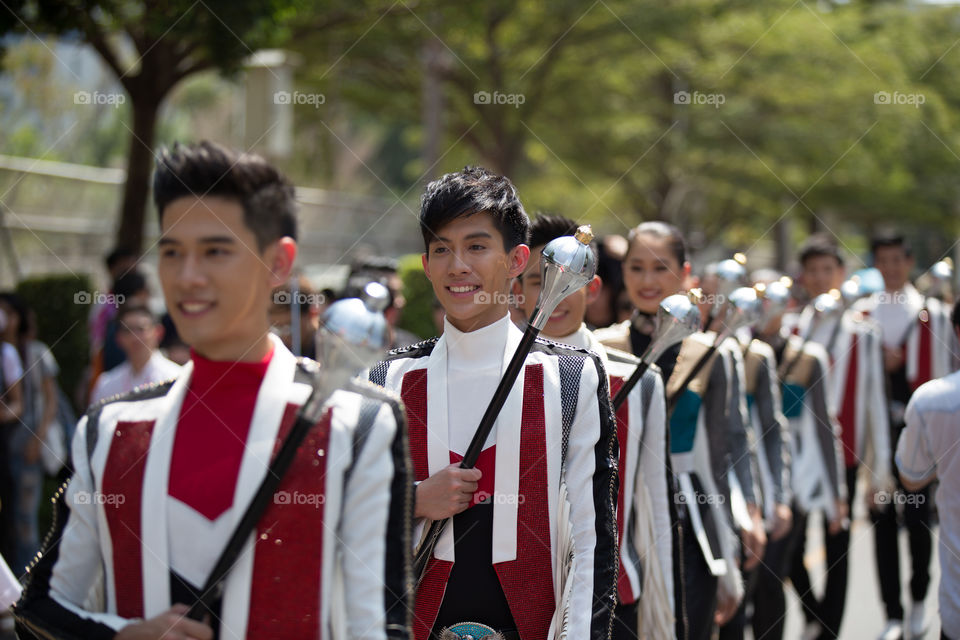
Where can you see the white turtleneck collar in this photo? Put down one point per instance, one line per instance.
(583, 338)
(478, 349)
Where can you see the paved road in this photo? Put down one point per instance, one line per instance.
(864, 615)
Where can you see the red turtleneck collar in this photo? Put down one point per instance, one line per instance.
(212, 432)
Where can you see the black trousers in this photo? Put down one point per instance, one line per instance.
(699, 589)
(7, 521)
(828, 611)
(916, 518)
(767, 587)
(625, 622)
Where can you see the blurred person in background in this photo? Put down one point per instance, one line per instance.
(918, 345)
(171, 345)
(384, 271)
(27, 440)
(707, 582)
(11, 408)
(138, 335)
(926, 451)
(118, 262)
(309, 304)
(604, 310)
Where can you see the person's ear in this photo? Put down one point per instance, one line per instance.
(518, 256)
(593, 289)
(426, 265)
(159, 332)
(281, 261)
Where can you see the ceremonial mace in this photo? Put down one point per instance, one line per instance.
(677, 318)
(824, 306)
(351, 338)
(730, 275)
(567, 264)
(745, 305)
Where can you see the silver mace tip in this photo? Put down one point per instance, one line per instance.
(828, 303)
(353, 334)
(567, 264)
(745, 310)
(731, 274)
(774, 298)
(677, 318)
(943, 270)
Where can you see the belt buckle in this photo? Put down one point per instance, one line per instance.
(469, 631)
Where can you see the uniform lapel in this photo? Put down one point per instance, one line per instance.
(438, 431)
(507, 469)
(156, 565)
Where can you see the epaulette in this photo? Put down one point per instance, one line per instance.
(143, 392)
(416, 350)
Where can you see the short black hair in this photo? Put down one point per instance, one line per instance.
(118, 254)
(473, 190)
(22, 309)
(820, 244)
(546, 227)
(891, 240)
(130, 309)
(208, 169)
(661, 231)
(129, 284)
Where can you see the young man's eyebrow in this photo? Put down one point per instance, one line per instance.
(204, 240)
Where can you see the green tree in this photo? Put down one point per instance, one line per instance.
(151, 46)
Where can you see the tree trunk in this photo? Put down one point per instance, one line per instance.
(139, 167)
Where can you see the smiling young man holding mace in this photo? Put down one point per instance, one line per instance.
(500, 564)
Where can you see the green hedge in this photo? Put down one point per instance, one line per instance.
(62, 322)
(418, 314)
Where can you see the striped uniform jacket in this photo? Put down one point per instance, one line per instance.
(643, 499)
(765, 408)
(929, 343)
(816, 456)
(856, 376)
(334, 568)
(555, 426)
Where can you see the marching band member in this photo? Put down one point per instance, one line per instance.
(918, 345)
(707, 580)
(645, 574)
(852, 343)
(163, 474)
(494, 566)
